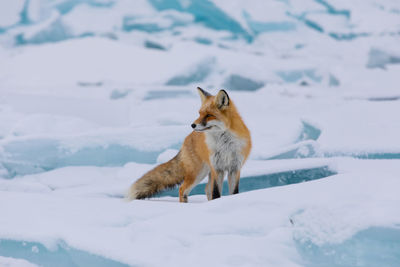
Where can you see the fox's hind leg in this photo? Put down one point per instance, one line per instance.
(190, 182)
(185, 189)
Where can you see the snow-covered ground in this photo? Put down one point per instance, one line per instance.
(95, 93)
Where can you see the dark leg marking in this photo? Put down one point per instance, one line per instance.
(236, 190)
(215, 192)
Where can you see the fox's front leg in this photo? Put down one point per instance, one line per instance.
(209, 187)
(233, 181)
(214, 186)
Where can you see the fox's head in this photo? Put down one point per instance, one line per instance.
(213, 112)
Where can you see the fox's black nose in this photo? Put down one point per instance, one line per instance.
(193, 125)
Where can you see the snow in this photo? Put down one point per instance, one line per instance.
(10, 12)
(328, 215)
(93, 94)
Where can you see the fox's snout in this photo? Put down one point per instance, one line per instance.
(200, 123)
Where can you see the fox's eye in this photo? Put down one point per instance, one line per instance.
(209, 116)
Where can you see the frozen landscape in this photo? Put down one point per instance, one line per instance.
(94, 93)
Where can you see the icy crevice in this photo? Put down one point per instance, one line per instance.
(365, 155)
(62, 255)
(251, 183)
(347, 36)
(384, 98)
(309, 23)
(334, 11)
(154, 45)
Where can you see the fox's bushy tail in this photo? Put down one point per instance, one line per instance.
(164, 176)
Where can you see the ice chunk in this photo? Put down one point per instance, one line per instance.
(333, 81)
(304, 149)
(305, 145)
(154, 45)
(375, 246)
(309, 132)
(258, 27)
(3, 171)
(117, 94)
(51, 22)
(62, 255)
(203, 40)
(197, 73)
(51, 30)
(291, 76)
(164, 20)
(237, 82)
(378, 58)
(206, 13)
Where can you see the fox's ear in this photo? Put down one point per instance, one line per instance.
(203, 94)
(222, 99)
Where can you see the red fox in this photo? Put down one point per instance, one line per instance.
(220, 143)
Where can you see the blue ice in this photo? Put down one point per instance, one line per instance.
(372, 247)
(236, 82)
(206, 13)
(21, 157)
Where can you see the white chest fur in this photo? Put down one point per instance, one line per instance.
(226, 150)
